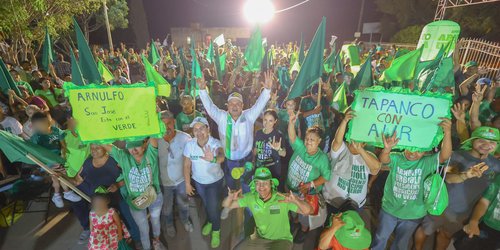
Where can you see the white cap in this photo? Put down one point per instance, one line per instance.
(199, 119)
(235, 95)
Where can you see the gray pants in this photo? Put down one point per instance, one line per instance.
(179, 192)
(264, 244)
(141, 219)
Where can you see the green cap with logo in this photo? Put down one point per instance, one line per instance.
(484, 132)
(353, 234)
(263, 174)
(470, 64)
(134, 144)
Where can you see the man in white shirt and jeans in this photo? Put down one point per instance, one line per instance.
(236, 126)
(170, 149)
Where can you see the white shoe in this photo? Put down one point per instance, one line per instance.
(71, 196)
(58, 201)
(188, 226)
(225, 213)
(84, 237)
(157, 245)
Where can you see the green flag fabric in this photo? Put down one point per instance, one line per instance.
(195, 72)
(154, 56)
(210, 53)
(153, 76)
(47, 53)
(329, 62)
(427, 71)
(364, 78)
(216, 60)
(284, 78)
(339, 66)
(222, 61)
(86, 59)
(301, 50)
(76, 73)
(6, 80)
(16, 150)
(340, 98)
(403, 67)
(312, 68)
(104, 71)
(254, 52)
(293, 58)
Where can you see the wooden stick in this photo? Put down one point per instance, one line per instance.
(60, 178)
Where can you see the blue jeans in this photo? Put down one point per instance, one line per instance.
(403, 230)
(133, 229)
(141, 219)
(211, 196)
(181, 197)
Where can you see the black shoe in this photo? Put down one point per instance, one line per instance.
(300, 237)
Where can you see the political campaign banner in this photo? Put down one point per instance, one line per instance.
(108, 113)
(436, 35)
(414, 117)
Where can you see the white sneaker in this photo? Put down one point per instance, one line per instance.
(71, 196)
(188, 226)
(84, 237)
(157, 245)
(58, 201)
(225, 213)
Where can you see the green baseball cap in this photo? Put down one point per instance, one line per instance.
(470, 64)
(262, 174)
(353, 234)
(484, 132)
(134, 144)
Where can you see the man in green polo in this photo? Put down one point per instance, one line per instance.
(270, 210)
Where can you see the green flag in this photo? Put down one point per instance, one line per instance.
(216, 60)
(222, 61)
(154, 56)
(293, 58)
(6, 80)
(301, 50)
(195, 72)
(340, 98)
(364, 78)
(104, 71)
(427, 71)
(16, 150)
(339, 66)
(403, 67)
(210, 53)
(312, 68)
(329, 62)
(76, 73)
(153, 76)
(284, 78)
(254, 52)
(47, 53)
(86, 59)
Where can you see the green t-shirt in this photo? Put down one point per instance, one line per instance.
(304, 168)
(182, 121)
(50, 141)
(137, 177)
(48, 96)
(492, 216)
(271, 217)
(27, 86)
(404, 189)
(76, 153)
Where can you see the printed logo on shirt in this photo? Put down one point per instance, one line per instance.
(299, 172)
(139, 179)
(357, 181)
(407, 183)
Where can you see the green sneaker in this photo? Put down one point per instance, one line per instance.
(215, 239)
(207, 228)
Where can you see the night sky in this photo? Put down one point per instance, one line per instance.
(342, 17)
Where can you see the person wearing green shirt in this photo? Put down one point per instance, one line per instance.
(20, 82)
(403, 204)
(270, 210)
(309, 167)
(139, 164)
(483, 229)
(184, 118)
(76, 151)
(48, 93)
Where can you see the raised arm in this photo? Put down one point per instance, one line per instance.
(477, 98)
(476, 171)
(446, 147)
(254, 112)
(339, 135)
(389, 143)
(292, 135)
(371, 161)
(231, 201)
(458, 111)
(302, 206)
(213, 111)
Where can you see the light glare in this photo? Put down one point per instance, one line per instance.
(258, 11)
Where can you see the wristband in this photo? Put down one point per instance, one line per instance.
(214, 160)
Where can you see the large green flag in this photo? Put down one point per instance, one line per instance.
(284, 78)
(364, 78)
(6, 80)
(16, 150)
(329, 62)
(403, 67)
(162, 86)
(85, 58)
(301, 50)
(340, 98)
(222, 61)
(195, 72)
(339, 66)
(104, 71)
(210, 53)
(254, 52)
(427, 71)
(47, 52)
(154, 55)
(76, 73)
(293, 58)
(312, 68)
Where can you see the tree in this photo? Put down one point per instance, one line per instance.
(410, 34)
(117, 15)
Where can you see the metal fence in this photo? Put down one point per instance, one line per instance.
(485, 53)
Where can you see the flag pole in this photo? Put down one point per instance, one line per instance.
(60, 178)
(320, 81)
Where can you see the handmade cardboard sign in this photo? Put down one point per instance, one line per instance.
(436, 35)
(414, 117)
(108, 113)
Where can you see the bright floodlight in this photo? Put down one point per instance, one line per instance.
(258, 11)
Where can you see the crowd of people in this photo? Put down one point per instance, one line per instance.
(236, 142)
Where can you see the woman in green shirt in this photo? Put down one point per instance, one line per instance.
(48, 93)
(309, 167)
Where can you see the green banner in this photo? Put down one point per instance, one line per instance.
(436, 35)
(109, 113)
(413, 116)
(351, 51)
